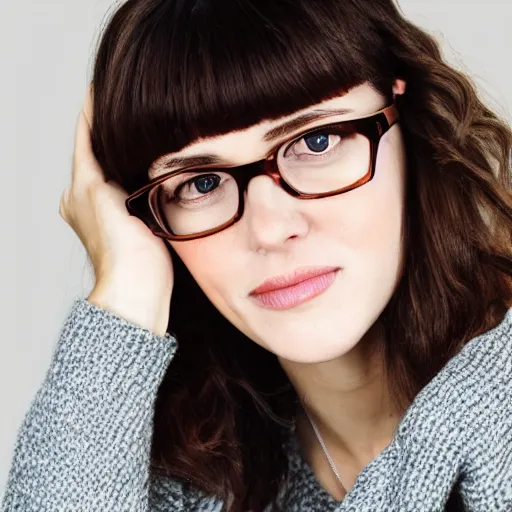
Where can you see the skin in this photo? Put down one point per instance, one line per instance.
(329, 345)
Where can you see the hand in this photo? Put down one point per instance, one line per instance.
(133, 268)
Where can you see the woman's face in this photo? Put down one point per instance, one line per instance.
(359, 231)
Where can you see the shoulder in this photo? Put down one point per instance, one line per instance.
(459, 427)
(473, 380)
(486, 470)
(464, 418)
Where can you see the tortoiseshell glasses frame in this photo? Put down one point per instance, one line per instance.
(373, 126)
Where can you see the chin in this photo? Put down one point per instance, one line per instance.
(320, 337)
(313, 344)
(313, 355)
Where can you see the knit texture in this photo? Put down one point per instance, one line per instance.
(84, 444)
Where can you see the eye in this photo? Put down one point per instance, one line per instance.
(315, 144)
(205, 184)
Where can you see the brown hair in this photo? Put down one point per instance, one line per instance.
(170, 72)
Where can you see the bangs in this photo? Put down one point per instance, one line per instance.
(170, 72)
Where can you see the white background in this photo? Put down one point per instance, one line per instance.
(46, 54)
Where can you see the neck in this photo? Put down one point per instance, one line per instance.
(349, 399)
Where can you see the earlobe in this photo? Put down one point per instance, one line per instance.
(399, 86)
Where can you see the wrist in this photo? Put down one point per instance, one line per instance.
(145, 307)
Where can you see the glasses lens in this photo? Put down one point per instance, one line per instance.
(327, 160)
(332, 158)
(190, 203)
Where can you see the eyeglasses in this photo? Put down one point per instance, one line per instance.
(324, 161)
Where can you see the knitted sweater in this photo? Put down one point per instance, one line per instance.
(84, 444)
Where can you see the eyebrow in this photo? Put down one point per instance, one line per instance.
(275, 133)
(298, 122)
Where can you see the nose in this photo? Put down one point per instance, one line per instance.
(272, 217)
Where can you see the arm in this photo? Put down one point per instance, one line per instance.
(85, 442)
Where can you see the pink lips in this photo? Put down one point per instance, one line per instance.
(287, 291)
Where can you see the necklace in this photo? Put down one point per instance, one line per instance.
(324, 448)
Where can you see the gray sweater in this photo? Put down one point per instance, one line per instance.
(84, 444)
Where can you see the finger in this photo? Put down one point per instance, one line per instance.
(88, 104)
(85, 164)
(83, 147)
(63, 205)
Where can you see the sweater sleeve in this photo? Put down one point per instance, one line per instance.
(84, 444)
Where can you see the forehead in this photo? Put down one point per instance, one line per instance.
(249, 144)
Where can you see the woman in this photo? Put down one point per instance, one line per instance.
(309, 305)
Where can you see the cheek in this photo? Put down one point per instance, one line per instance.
(214, 270)
(208, 263)
(367, 226)
(370, 219)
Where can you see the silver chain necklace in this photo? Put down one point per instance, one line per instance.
(324, 448)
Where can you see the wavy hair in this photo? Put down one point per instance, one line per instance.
(168, 72)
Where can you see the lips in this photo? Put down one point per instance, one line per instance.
(288, 280)
(292, 290)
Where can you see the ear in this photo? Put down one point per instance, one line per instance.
(399, 86)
